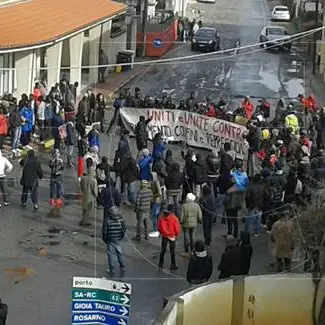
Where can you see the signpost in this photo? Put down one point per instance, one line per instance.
(100, 301)
(157, 42)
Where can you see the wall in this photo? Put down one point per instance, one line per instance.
(210, 302)
(260, 300)
(167, 36)
(116, 44)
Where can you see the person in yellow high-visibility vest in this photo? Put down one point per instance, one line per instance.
(291, 120)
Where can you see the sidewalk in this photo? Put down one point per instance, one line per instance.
(313, 83)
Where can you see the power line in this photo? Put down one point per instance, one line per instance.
(283, 40)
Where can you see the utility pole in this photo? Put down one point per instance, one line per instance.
(315, 38)
(144, 24)
(129, 22)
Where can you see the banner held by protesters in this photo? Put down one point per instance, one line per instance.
(197, 130)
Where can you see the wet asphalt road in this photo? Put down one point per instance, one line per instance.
(44, 298)
(259, 74)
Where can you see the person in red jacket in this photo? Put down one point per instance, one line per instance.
(169, 228)
(248, 107)
(3, 128)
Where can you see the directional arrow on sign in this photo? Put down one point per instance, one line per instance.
(126, 288)
(125, 300)
(121, 322)
(123, 311)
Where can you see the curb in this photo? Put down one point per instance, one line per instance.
(125, 82)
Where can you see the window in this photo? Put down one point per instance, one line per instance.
(118, 26)
(86, 33)
(276, 31)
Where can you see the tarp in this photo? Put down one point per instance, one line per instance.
(195, 129)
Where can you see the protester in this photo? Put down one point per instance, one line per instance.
(169, 229)
(188, 172)
(207, 203)
(145, 162)
(213, 162)
(173, 182)
(15, 129)
(200, 178)
(89, 190)
(109, 196)
(93, 137)
(56, 188)
(129, 175)
(200, 266)
(233, 202)
(169, 161)
(142, 209)
(71, 141)
(246, 250)
(113, 232)
(191, 215)
(141, 133)
(31, 174)
(27, 116)
(255, 198)
(156, 204)
(3, 313)
(82, 150)
(231, 259)
(3, 128)
(5, 168)
(282, 236)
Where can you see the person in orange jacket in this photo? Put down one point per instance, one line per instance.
(169, 228)
(308, 103)
(3, 128)
(248, 107)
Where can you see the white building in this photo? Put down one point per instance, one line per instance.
(41, 39)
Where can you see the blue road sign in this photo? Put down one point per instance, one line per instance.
(98, 305)
(97, 318)
(157, 42)
(100, 301)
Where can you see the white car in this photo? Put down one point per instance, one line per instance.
(280, 13)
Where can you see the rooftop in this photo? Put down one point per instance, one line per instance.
(37, 22)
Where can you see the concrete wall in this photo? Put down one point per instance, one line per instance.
(116, 44)
(260, 300)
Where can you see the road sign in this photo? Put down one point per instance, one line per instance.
(118, 298)
(157, 42)
(100, 301)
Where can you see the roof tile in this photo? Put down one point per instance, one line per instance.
(36, 22)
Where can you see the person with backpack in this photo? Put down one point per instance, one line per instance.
(113, 232)
(56, 190)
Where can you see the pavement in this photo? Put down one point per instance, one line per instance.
(40, 254)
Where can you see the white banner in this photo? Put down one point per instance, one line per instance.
(195, 129)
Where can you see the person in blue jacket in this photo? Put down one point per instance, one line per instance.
(158, 146)
(145, 165)
(27, 115)
(57, 121)
(240, 175)
(93, 137)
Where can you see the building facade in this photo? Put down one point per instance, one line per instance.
(44, 39)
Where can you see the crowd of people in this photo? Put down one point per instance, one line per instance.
(280, 168)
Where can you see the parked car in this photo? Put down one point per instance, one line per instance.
(206, 39)
(280, 13)
(275, 37)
